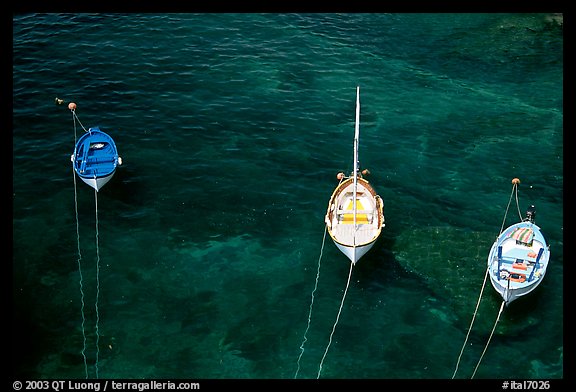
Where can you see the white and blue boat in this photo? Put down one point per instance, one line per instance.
(518, 259)
(95, 158)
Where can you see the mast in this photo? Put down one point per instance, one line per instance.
(356, 140)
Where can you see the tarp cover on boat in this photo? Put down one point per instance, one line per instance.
(523, 235)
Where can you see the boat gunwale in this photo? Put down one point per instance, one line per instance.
(102, 137)
(515, 290)
(379, 206)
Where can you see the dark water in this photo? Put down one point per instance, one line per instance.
(232, 128)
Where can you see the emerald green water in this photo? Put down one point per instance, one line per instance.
(232, 128)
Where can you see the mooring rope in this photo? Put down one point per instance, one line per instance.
(336, 322)
(81, 280)
(97, 287)
(311, 303)
(77, 119)
(515, 183)
(489, 338)
(82, 295)
(305, 339)
(514, 191)
(471, 323)
(83, 352)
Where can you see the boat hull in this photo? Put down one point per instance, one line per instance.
(511, 294)
(354, 236)
(354, 256)
(518, 261)
(95, 158)
(99, 182)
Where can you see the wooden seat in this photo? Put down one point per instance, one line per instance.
(362, 216)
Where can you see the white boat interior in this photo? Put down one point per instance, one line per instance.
(520, 262)
(341, 216)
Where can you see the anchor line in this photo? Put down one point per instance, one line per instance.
(512, 194)
(75, 117)
(489, 338)
(336, 322)
(340, 308)
(79, 260)
(76, 120)
(97, 328)
(471, 324)
(83, 352)
(305, 339)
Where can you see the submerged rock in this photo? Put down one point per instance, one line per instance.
(453, 263)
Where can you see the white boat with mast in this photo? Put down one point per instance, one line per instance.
(355, 216)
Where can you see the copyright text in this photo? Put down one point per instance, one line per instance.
(104, 385)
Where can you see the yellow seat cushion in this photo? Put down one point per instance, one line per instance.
(360, 218)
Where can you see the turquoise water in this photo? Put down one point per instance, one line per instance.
(232, 128)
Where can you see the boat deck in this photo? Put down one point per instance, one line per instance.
(354, 220)
(343, 227)
(511, 251)
(95, 154)
(344, 233)
(521, 261)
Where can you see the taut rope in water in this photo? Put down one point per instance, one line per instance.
(75, 119)
(336, 322)
(515, 183)
(311, 304)
(97, 287)
(79, 258)
(489, 338)
(471, 323)
(305, 339)
(80, 281)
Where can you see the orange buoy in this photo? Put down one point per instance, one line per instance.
(72, 106)
(340, 175)
(515, 181)
(365, 172)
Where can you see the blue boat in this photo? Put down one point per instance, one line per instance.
(518, 259)
(95, 158)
